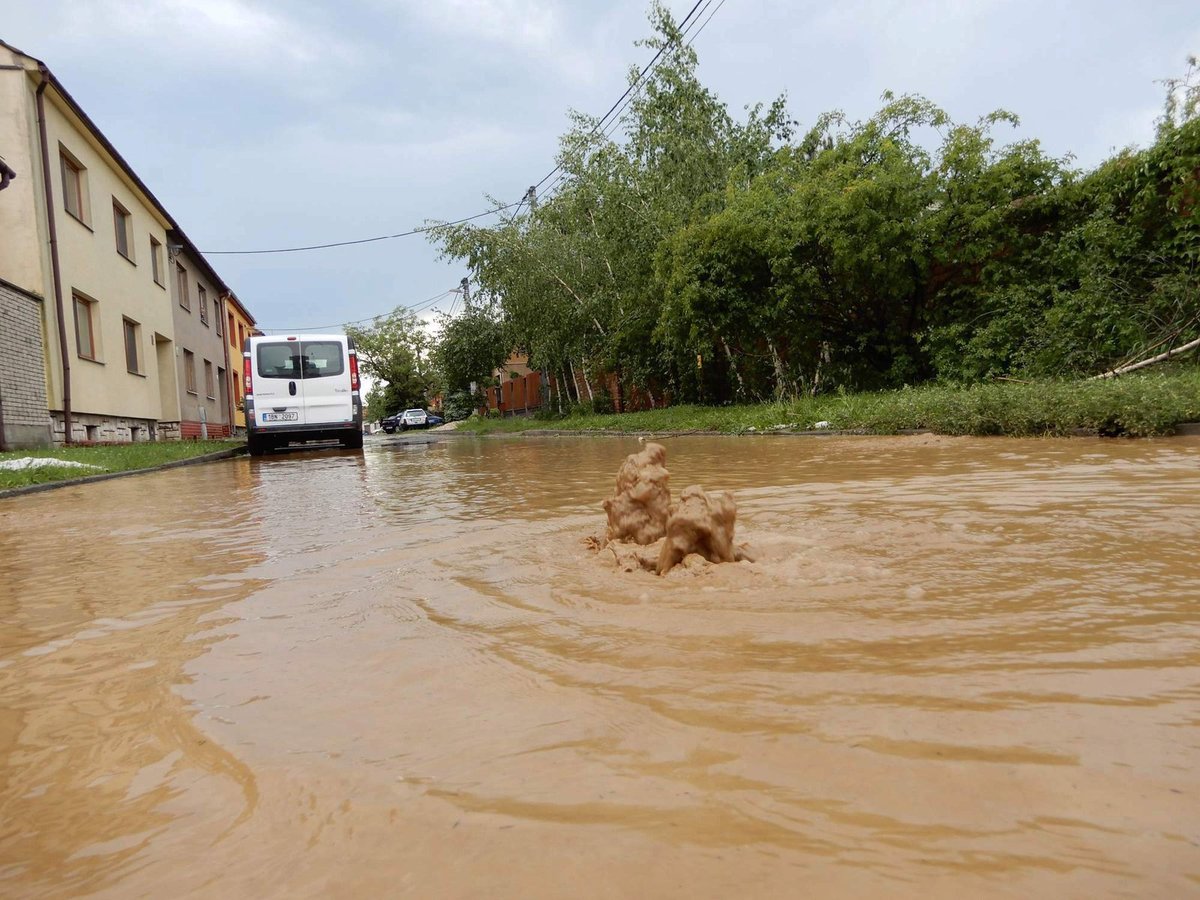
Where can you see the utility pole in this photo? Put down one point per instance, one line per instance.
(465, 285)
(531, 197)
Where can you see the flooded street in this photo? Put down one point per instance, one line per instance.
(959, 667)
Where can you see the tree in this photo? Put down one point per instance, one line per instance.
(575, 278)
(861, 254)
(470, 345)
(394, 351)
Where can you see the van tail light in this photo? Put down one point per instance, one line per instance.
(353, 371)
(247, 383)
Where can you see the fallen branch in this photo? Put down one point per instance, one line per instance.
(1170, 338)
(1175, 351)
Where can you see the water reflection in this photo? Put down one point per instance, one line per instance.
(960, 666)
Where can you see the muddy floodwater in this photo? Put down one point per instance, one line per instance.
(958, 668)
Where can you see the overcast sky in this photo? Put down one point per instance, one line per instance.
(289, 122)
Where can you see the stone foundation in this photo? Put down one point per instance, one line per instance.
(94, 429)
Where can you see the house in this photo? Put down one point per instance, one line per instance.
(202, 357)
(89, 263)
(23, 420)
(516, 388)
(239, 325)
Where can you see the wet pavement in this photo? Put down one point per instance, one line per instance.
(958, 668)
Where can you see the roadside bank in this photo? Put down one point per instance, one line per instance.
(1134, 406)
(99, 463)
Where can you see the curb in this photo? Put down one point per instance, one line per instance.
(1184, 429)
(108, 476)
(699, 432)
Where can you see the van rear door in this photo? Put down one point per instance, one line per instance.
(328, 398)
(278, 389)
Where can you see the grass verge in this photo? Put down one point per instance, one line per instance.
(112, 458)
(1135, 405)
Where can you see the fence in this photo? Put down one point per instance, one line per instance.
(524, 394)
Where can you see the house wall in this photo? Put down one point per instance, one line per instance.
(103, 388)
(23, 418)
(206, 345)
(22, 231)
(243, 327)
(121, 288)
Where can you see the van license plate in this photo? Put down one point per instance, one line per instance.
(280, 417)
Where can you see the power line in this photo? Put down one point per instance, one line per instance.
(635, 84)
(706, 21)
(382, 237)
(421, 306)
(621, 113)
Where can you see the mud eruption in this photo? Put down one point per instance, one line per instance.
(638, 511)
(701, 523)
(666, 534)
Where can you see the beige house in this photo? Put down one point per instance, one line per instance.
(202, 359)
(86, 244)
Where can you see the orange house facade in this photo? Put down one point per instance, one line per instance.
(239, 325)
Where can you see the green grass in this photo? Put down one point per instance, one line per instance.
(114, 458)
(1137, 405)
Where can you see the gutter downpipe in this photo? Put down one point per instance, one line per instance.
(58, 301)
(228, 371)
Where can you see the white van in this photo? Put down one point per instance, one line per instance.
(301, 388)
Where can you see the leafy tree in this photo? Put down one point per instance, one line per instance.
(470, 345)
(718, 260)
(394, 350)
(1182, 103)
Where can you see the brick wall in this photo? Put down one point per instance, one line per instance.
(191, 430)
(24, 420)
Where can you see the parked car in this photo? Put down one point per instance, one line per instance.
(413, 418)
(301, 389)
(410, 418)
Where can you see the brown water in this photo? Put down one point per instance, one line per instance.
(959, 668)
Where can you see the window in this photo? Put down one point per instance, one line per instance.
(85, 327)
(189, 371)
(74, 179)
(209, 388)
(203, 294)
(237, 388)
(281, 360)
(156, 261)
(301, 359)
(231, 329)
(218, 317)
(241, 336)
(121, 226)
(181, 283)
(322, 358)
(132, 330)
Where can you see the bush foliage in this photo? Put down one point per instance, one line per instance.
(724, 261)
